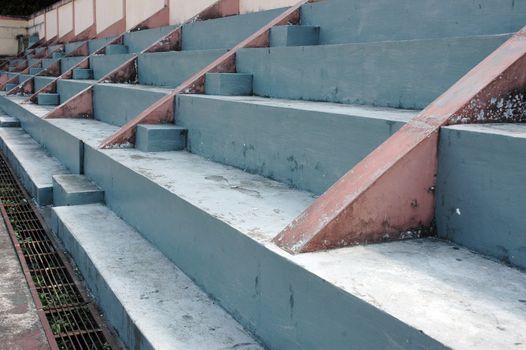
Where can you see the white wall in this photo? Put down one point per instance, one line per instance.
(51, 24)
(182, 10)
(109, 12)
(9, 29)
(65, 19)
(84, 17)
(139, 10)
(36, 25)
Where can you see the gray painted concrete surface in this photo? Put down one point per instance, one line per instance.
(9, 122)
(150, 301)
(294, 35)
(481, 190)
(75, 190)
(160, 138)
(104, 64)
(48, 99)
(182, 65)
(350, 21)
(307, 145)
(140, 40)
(228, 84)
(31, 162)
(400, 74)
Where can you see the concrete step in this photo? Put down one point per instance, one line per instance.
(46, 62)
(183, 64)
(481, 193)
(308, 145)
(69, 47)
(117, 104)
(115, 49)
(40, 82)
(229, 84)
(49, 99)
(23, 77)
(141, 39)
(294, 35)
(220, 222)
(344, 21)
(68, 88)
(32, 62)
(11, 69)
(33, 165)
(150, 301)
(82, 74)
(160, 138)
(35, 70)
(390, 74)
(96, 44)
(10, 86)
(57, 55)
(104, 64)
(226, 32)
(68, 62)
(8, 122)
(75, 190)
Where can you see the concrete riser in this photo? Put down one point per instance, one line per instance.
(481, 193)
(258, 139)
(390, 74)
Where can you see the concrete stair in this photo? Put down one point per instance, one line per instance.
(154, 304)
(481, 191)
(191, 209)
(116, 49)
(254, 134)
(48, 99)
(71, 190)
(82, 74)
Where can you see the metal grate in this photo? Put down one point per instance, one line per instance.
(69, 317)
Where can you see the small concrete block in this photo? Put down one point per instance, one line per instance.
(35, 70)
(57, 55)
(116, 49)
(9, 122)
(11, 69)
(294, 35)
(10, 86)
(229, 84)
(75, 190)
(48, 99)
(82, 73)
(160, 138)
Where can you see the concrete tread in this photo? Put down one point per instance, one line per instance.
(402, 115)
(166, 306)
(460, 298)
(510, 130)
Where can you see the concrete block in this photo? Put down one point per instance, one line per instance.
(46, 62)
(291, 35)
(57, 55)
(139, 40)
(11, 69)
(40, 82)
(68, 88)
(35, 70)
(75, 190)
(10, 86)
(228, 84)
(103, 64)
(481, 192)
(116, 49)
(9, 122)
(68, 62)
(82, 73)
(48, 99)
(160, 138)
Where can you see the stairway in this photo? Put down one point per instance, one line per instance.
(188, 211)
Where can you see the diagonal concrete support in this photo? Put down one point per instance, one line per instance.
(390, 194)
(196, 84)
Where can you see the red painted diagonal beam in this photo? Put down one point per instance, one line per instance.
(391, 191)
(162, 110)
(127, 72)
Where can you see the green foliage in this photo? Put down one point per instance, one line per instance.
(23, 7)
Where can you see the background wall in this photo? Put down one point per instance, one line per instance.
(139, 10)
(83, 15)
(65, 19)
(108, 12)
(51, 24)
(9, 29)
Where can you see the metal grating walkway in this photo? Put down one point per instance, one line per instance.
(69, 317)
